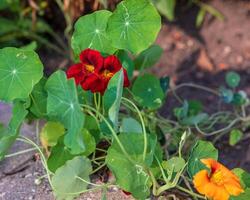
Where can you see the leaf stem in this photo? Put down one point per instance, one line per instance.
(143, 126)
(20, 152)
(112, 131)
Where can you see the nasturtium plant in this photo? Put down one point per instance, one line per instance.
(201, 150)
(137, 179)
(133, 30)
(232, 79)
(130, 125)
(21, 70)
(235, 136)
(101, 113)
(90, 32)
(148, 57)
(76, 177)
(9, 134)
(39, 99)
(148, 92)
(63, 105)
(50, 133)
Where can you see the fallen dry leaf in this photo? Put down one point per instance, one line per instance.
(204, 62)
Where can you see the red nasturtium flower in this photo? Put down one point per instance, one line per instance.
(218, 184)
(94, 71)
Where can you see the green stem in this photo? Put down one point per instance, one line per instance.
(143, 127)
(112, 131)
(189, 192)
(197, 87)
(98, 168)
(27, 140)
(20, 152)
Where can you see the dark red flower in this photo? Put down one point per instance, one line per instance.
(91, 60)
(94, 71)
(111, 66)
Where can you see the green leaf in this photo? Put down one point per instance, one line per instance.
(93, 127)
(239, 98)
(130, 125)
(226, 95)
(232, 79)
(20, 70)
(65, 179)
(200, 17)
(165, 82)
(243, 196)
(8, 135)
(63, 105)
(30, 47)
(39, 99)
(127, 62)
(147, 91)
(113, 97)
(59, 155)
(243, 176)
(235, 136)
(166, 8)
(134, 25)
(50, 133)
(201, 150)
(137, 180)
(148, 57)
(194, 120)
(194, 107)
(90, 32)
(89, 141)
(174, 164)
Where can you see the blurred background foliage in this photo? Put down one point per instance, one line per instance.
(49, 23)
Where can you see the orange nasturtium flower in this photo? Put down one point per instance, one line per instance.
(218, 184)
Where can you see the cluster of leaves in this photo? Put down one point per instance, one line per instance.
(20, 22)
(78, 122)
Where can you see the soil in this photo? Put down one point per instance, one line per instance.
(200, 56)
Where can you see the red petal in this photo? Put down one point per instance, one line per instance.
(112, 64)
(89, 81)
(92, 57)
(126, 80)
(94, 83)
(76, 71)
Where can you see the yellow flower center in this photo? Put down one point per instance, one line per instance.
(217, 177)
(89, 68)
(107, 74)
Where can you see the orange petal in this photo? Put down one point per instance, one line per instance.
(233, 188)
(220, 193)
(201, 178)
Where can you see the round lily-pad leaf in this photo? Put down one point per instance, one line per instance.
(134, 25)
(148, 92)
(232, 79)
(20, 70)
(67, 179)
(201, 150)
(50, 133)
(63, 106)
(90, 32)
(137, 179)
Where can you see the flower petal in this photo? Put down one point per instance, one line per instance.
(92, 57)
(112, 64)
(76, 71)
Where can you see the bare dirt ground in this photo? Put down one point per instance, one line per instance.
(190, 55)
